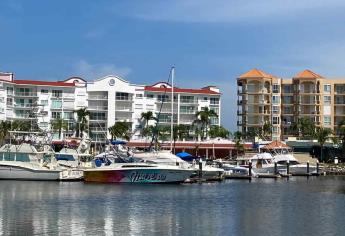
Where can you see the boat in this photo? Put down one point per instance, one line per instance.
(263, 165)
(295, 167)
(24, 162)
(136, 172)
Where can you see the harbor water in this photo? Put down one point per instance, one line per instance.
(298, 206)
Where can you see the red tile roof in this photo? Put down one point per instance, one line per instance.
(275, 145)
(307, 74)
(180, 90)
(255, 73)
(47, 83)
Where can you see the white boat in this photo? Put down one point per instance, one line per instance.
(263, 164)
(295, 168)
(24, 162)
(167, 158)
(136, 173)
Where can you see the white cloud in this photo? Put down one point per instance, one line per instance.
(94, 71)
(230, 11)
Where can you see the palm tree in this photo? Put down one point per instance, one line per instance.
(267, 130)
(147, 116)
(179, 132)
(304, 127)
(205, 116)
(120, 130)
(322, 134)
(82, 117)
(19, 125)
(5, 127)
(238, 142)
(59, 125)
(341, 134)
(218, 132)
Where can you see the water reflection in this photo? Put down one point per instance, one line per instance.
(262, 207)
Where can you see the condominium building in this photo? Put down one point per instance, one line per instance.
(264, 98)
(108, 99)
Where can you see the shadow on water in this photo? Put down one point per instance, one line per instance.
(298, 206)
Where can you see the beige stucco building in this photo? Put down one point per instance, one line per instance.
(266, 98)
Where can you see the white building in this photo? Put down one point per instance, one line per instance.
(109, 99)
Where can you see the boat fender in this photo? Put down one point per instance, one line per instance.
(98, 162)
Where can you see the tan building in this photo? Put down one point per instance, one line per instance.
(281, 102)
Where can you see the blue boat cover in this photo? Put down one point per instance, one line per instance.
(117, 142)
(64, 157)
(185, 156)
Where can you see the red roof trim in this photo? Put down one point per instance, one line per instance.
(48, 83)
(181, 90)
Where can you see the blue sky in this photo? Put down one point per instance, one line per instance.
(209, 42)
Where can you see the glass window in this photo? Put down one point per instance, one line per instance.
(327, 120)
(56, 115)
(327, 100)
(9, 101)
(275, 88)
(56, 104)
(138, 95)
(44, 91)
(275, 120)
(275, 99)
(163, 98)
(275, 109)
(44, 102)
(327, 88)
(57, 93)
(214, 101)
(9, 91)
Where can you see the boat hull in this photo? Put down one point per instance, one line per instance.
(22, 173)
(135, 175)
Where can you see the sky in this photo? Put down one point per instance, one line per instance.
(209, 42)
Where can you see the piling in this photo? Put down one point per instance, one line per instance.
(317, 168)
(250, 169)
(200, 169)
(308, 168)
(275, 168)
(288, 167)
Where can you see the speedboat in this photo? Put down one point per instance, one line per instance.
(24, 162)
(295, 167)
(136, 172)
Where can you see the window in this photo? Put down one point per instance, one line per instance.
(205, 98)
(56, 115)
(214, 101)
(9, 101)
(275, 109)
(98, 116)
(138, 106)
(57, 93)
(68, 115)
(138, 95)
(187, 110)
(275, 88)
(326, 88)
(187, 99)
(56, 104)
(326, 120)
(163, 98)
(275, 99)
(275, 129)
(123, 96)
(9, 91)
(150, 96)
(44, 91)
(327, 100)
(44, 102)
(288, 88)
(275, 120)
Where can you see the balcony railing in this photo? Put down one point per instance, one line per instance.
(24, 105)
(98, 108)
(188, 101)
(123, 98)
(26, 94)
(98, 97)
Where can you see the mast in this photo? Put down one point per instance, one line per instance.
(172, 109)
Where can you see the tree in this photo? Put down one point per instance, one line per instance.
(238, 136)
(5, 127)
(19, 125)
(120, 130)
(59, 125)
(180, 131)
(322, 134)
(204, 117)
(304, 127)
(341, 134)
(218, 132)
(82, 118)
(147, 116)
(267, 130)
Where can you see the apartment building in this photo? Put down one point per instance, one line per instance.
(263, 98)
(108, 99)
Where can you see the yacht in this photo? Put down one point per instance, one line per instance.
(135, 172)
(295, 167)
(263, 165)
(24, 162)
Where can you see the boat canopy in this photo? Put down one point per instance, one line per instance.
(118, 142)
(185, 156)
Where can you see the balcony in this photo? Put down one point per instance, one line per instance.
(98, 97)
(123, 99)
(24, 105)
(188, 101)
(25, 94)
(98, 108)
(98, 129)
(123, 109)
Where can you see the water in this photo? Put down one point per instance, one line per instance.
(299, 206)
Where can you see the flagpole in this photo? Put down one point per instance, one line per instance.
(172, 109)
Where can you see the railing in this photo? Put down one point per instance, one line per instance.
(187, 112)
(127, 109)
(98, 108)
(188, 101)
(24, 105)
(98, 129)
(120, 98)
(98, 97)
(26, 94)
